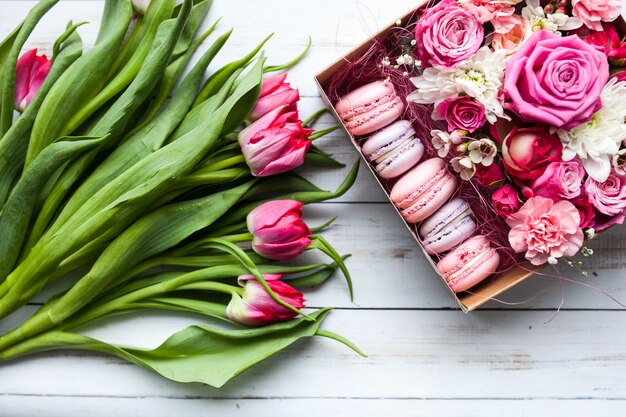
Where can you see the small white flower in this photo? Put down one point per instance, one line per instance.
(552, 260)
(480, 77)
(597, 142)
(482, 151)
(386, 61)
(406, 59)
(619, 162)
(590, 233)
(443, 141)
(464, 166)
(556, 22)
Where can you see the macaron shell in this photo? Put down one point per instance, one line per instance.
(448, 213)
(451, 236)
(431, 200)
(376, 119)
(417, 181)
(469, 264)
(387, 139)
(363, 97)
(401, 160)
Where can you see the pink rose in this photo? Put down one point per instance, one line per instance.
(462, 113)
(500, 13)
(491, 177)
(545, 230)
(512, 40)
(586, 211)
(555, 80)
(505, 201)
(592, 12)
(560, 181)
(609, 198)
(447, 35)
(527, 152)
(608, 39)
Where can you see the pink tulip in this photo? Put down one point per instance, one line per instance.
(278, 230)
(275, 92)
(30, 72)
(275, 143)
(257, 308)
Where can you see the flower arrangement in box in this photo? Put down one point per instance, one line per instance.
(518, 110)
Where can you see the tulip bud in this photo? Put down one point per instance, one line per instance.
(275, 143)
(278, 230)
(275, 92)
(141, 6)
(30, 73)
(257, 308)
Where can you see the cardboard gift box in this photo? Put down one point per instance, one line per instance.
(491, 287)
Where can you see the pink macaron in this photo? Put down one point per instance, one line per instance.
(468, 264)
(394, 149)
(370, 108)
(450, 226)
(423, 190)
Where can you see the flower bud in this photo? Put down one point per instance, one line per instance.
(30, 73)
(278, 230)
(275, 92)
(257, 308)
(141, 6)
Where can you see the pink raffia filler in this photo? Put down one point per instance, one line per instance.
(594, 12)
(546, 231)
(447, 35)
(609, 198)
(500, 13)
(556, 80)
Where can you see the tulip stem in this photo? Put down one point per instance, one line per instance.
(314, 117)
(318, 134)
(322, 244)
(340, 339)
(292, 63)
(323, 226)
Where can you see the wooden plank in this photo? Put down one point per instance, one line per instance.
(412, 354)
(28, 406)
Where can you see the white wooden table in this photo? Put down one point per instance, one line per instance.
(518, 357)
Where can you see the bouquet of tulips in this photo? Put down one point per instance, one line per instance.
(168, 192)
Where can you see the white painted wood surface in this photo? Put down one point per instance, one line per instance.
(517, 357)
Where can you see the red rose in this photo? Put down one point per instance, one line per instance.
(491, 177)
(505, 201)
(527, 152)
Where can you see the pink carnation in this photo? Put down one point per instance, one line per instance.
(500, 13)
(546, 230)
(594, 12)
(447, 35)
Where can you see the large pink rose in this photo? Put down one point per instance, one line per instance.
(462, 113)
(555, 80)
(526, 152)
(447, 35)
(560, 181)
(593, 12)
(545, 230)
(609, 198)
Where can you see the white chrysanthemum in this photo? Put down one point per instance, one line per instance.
(599, 140)
(539, 20)
(479, 77)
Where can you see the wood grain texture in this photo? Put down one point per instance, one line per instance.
(517, 357)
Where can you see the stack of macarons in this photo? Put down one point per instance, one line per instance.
(424, 191)
(393, 149)
(424, 195)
